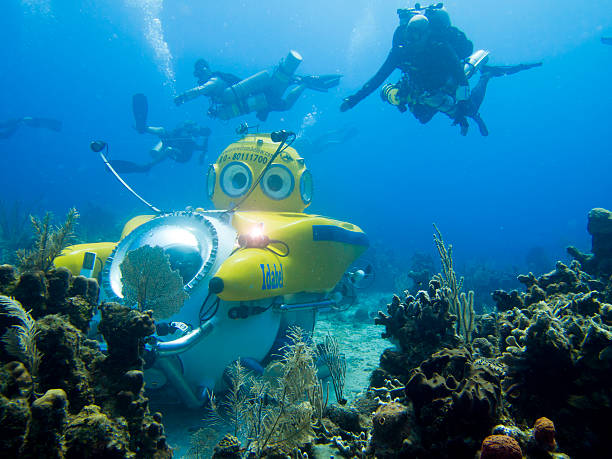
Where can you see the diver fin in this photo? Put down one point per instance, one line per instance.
(140, 107)
(320, 82)
(129, 167)
(502, 70)
(482, 127)
(606, 40)
(48, 123)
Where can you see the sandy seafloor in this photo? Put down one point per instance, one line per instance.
(359, 340)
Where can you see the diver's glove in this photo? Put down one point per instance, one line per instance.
(463, 125)
(348, 103)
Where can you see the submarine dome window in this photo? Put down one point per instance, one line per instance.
(211, 177)
(278, 182)
(306, 187)
(235, 179)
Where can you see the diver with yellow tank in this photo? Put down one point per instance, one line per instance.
(270, 90)
(251, 269)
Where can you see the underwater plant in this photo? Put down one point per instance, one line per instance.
(462, 305)
(275, 414)
(50, 241)
(237, 401)
(150, 283)
(20, 339)
(201, 443)
(336, 362)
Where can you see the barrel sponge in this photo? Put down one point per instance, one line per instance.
(500, 447)
(544, 433)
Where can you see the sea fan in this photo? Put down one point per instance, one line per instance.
(20, 339)
(149, 282)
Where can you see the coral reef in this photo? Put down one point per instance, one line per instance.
(500, 447)
(92, 404)
(92, 434)
(456, 400)
(391, 430)
(15, 388)
(120, 379)
(555, 342)
(599, 261)
(545, 351)
(544, 434)
(44, 433)
(53, 292)
(61, 365)
(228, 447)
(419, 325)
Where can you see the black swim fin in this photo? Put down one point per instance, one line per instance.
(47, 123)
(482, 127)
(606, 40)
(320, 82)
(140, 107)
(502, 70)
(128, 167)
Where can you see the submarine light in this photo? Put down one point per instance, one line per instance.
(255, 238)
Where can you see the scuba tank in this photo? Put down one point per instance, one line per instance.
(474, 62)
(282, 76)
(249, 95)
(241, 107)
(240, 91)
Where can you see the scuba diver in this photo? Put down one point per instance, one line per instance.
(9, 127)
(262, 93)
(436, 60)
(177, 144)
(606, 40)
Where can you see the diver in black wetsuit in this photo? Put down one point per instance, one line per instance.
(178, 144)
(435, 60)
(9, 127)
(261, 93)
(431, 51)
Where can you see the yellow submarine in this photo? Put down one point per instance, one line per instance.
(251, 270)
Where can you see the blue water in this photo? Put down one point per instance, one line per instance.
(530, 183)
